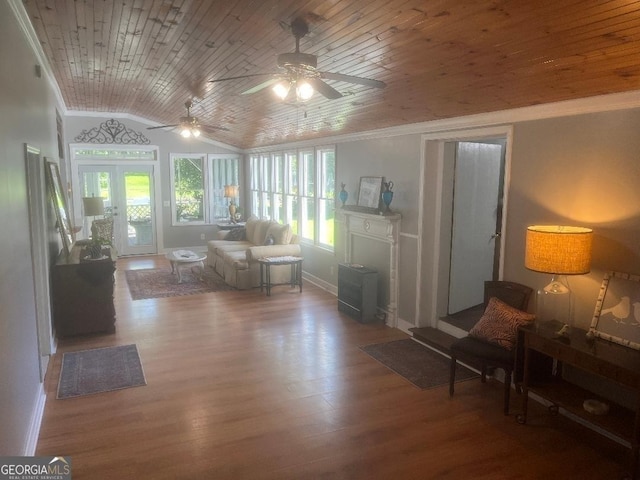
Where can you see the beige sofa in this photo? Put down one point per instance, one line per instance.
(236, 260)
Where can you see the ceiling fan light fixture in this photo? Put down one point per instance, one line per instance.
(185, 132)
(304, 91)
(281, 89)
(195, 131)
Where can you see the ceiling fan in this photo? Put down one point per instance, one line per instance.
(299, 76)
(189, 126)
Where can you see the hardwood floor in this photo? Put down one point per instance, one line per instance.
(244, 386)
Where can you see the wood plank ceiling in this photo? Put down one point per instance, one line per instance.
(439, 58)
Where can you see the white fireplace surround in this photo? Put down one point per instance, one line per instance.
(377, 228)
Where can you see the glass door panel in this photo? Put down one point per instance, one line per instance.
(127, 192)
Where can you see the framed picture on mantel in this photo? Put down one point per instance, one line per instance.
(369, 193)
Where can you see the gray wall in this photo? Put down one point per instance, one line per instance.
(28, 116)
(582, 170)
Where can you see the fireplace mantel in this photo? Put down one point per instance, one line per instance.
(383, 230)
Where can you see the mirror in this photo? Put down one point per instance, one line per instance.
(56, 193)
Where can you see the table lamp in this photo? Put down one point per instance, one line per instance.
(231, 191)
(93, 206)
(560, 251)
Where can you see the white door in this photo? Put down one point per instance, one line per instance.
(476, 219)
(128, 197)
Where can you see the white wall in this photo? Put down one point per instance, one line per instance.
(28, 116)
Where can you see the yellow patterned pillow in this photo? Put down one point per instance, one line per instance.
(499, 324)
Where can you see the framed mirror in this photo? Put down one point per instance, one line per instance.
(369, 193)
(56, 194)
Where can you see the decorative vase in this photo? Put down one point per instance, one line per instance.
(95, 250)
(343, 195)
(387, 195)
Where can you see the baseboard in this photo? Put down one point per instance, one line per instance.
(404, 326)
(36, 422)
(318, 282)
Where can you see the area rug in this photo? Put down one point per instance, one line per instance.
(100, 370)
(160, 282)
(420, 365)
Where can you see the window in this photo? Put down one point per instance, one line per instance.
(188, 180)
(198, 182)
(297, 187)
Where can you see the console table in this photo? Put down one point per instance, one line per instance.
(82, 293)
(599, 357)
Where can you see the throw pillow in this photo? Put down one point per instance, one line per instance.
(269, 240)
(236, 234)
(280, 233)
(499, 324)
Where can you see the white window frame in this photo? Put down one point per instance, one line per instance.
(211, 193)
(263, 190)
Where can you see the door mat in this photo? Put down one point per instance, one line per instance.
(160, 282)
(100, 370)
(420, 365)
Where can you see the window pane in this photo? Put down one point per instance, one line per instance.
(254, 166)
(326, 212)
(265, 211)
(328, 174)
(292, 213)
(224, 171)
(307, 223)
(309, 167)
(278, 209)
(278, 173)
(189, 189)
(291, 174)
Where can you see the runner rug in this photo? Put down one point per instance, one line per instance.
(420, 365)
(100, 370)
(160, 282)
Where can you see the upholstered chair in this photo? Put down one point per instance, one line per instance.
(492, 342)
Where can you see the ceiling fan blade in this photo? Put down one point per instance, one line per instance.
(162, 126)
(240, 77)
(261, 86)
(214, 127)
(324, 89)
(369, 82)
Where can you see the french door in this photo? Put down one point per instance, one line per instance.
(127, 192)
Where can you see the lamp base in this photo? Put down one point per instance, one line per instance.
(554, 302)
(232, 212)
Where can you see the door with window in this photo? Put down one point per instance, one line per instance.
(127, 192)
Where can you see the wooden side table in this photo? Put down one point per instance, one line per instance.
(265, 267)
(599, 357)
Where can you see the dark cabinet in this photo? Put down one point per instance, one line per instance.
(82, 293)
(358, 291)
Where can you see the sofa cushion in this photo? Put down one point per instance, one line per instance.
(281, 233)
